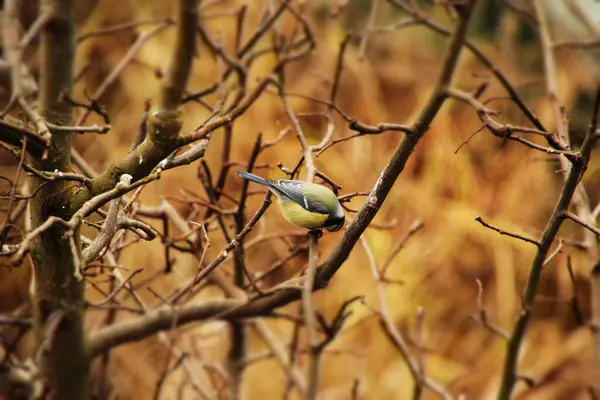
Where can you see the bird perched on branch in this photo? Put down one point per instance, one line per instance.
(308, 205)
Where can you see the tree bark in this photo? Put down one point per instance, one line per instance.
(58, 297)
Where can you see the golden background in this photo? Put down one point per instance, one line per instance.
(510, 186)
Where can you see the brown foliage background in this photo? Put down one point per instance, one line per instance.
(507, 184)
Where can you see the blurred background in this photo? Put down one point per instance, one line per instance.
(385, 79)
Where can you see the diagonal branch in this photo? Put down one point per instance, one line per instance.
(402, 153)
(510, 370)
(581, 222)
(232, 309)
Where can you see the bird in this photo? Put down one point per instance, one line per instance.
(305, 204)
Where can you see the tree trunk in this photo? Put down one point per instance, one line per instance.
(58, 297)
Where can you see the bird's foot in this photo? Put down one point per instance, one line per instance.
(317, 232)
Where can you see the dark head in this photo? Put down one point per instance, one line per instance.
(335, 222)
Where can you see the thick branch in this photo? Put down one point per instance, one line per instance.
(164, 122)
(162, 318)
(183, 55)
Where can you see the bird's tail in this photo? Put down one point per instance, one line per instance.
(254, 178)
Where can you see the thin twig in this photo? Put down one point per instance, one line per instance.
(577, 312)
(115, 292)
(123, 63)
(225, 252)
(306, 150)
(362, 48)
(35, 29)
(412, 230)
(5, 227)
(110, 30)
(505, 233)
(482, 316)
(109, 228)
(420, 381)
(581, 222)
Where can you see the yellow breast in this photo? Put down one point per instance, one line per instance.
(296, 214)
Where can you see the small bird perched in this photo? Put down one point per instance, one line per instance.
(305, 204)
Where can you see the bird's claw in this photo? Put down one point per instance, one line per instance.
(317, 232)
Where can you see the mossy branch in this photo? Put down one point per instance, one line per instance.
(164, 122)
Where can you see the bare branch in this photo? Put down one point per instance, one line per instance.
(482, 316)
(109, 228)
(510, 371)
(310, 319)
(183, 55)
(503, 232)
(118, 69)
(115, 292)
(581, 222)
(35, 29)
(419, 379)
(412, 230)
(225, 252)
(306, 150)
(120, 27)
(101, 129)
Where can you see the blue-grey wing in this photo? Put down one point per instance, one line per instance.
(294, 190)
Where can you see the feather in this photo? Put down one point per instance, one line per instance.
(296, 214)
(254, 178)
(295, 190)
